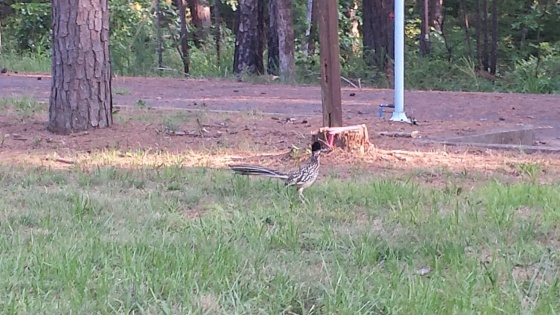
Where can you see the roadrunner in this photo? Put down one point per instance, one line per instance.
(302, 178)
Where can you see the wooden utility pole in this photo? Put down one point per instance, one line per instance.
(330, 63)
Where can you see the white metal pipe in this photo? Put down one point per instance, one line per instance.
(398, 113)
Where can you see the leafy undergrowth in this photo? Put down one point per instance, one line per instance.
(175, 240)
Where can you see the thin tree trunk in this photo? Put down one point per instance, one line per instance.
(466, 27)
(494, 48)
(159, 35)
(485, 48)
(261, 36)
(308, 15)
(217, 31)
(273, 58)
(81, 70)
(313, 36)
(425, 29)
(354, 29)
(478, 32)
(286, 40)
(183, 39)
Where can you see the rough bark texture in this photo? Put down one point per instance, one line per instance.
(249, 37)
(313, 36)
(183, 39)
(425, 29)
(308, 15)
(286, 40)
(273, 55)
(217, 30)
(378, 32)
(200, 15)
(81, 71)
(159, 19)
(466, 26)
(436, 14)
(494, 45)
(355, 27)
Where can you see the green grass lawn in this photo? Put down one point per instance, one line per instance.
(193, 241)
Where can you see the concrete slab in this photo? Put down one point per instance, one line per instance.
(521, 139)
(516, 147)
(522, 136)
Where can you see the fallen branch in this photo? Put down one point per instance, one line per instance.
(61, 160)
(349, 82)
(399, 134)
(78, 134)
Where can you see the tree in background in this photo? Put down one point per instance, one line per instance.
(200, 19)
(183, 36)
(249, 37)
(285, 33)
(81, 70)
(513, 45)
(273, 51)
(378, 32)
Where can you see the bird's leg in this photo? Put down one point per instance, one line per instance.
(301, 197)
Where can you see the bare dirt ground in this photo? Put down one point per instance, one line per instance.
(181, 115)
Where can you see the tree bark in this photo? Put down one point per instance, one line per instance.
(248, 56)
(200, 16)
(436, 14)
(425, 29)
(378, 32)
(217, 30)
(286, 40)
(159, 20)
(466, 26)
(81, 70)
(494, 45)
(273, 56)
(308, 16)
(485, 48)
(183, 39)
(478, 32)
(313, 34)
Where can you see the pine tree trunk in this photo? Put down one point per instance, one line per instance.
(248, 56)
(378, 32)
(436, 14)
(425, 29)
(183, 39)
(217, 30)
(273, 55)
(355, 27)
(313, 36)
(466, 26)
(286, 40)
(486, 43)
(308, 15)
(494, 46)
(200, 15)
(81, 71)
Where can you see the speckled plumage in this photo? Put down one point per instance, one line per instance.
(302, 178)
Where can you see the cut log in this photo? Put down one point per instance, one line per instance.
(350, 138)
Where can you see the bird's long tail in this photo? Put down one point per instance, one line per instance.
(242, 169)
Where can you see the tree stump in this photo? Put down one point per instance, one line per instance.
(350, 138)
